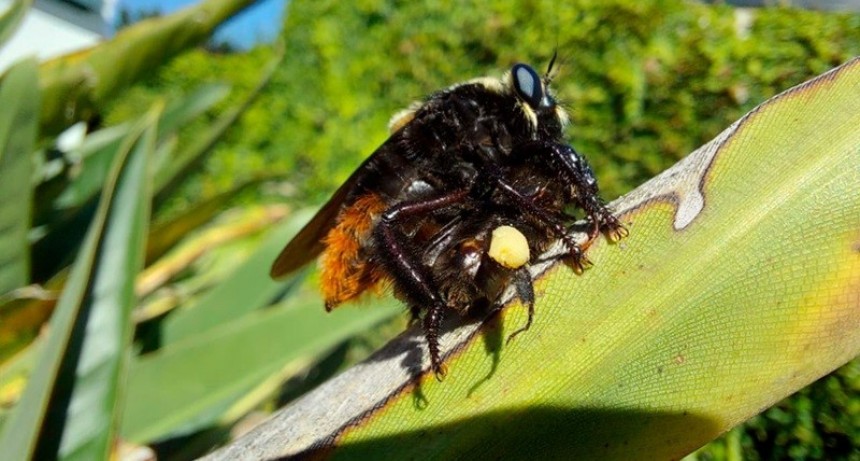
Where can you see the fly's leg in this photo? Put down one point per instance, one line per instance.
(410, 276)
(602, 220)
(575, 171)
(432, 323)
(526, 292)
(547, 221)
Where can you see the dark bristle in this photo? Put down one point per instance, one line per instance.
(548, 76)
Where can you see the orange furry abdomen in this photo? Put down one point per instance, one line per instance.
(346, 272)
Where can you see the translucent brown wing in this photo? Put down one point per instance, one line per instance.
(307, 244)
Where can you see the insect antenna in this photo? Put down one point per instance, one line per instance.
(549, 75)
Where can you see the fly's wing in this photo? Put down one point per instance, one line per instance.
(307, 244)
(441, 241)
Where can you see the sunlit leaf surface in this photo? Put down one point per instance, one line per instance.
(737, 286)
(11, 17)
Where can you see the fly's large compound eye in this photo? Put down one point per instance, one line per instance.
(528, 84)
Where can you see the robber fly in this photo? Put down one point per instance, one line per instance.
(466, 160)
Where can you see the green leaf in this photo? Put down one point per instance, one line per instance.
(737, 286)
(19, 97)
(13, 378)
(191, 384)
(95, 155)
(22, 314)
(249, 288)
(12, 17)
(229, 231)
(75, 86)
(191, 106)
(70, 407)
(171, 175)
(91, 162)
(164, 236)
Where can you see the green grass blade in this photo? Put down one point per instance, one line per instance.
(248, 289)
(737, 286)
(19, 97)
(190, 384)
(12, 17)
(70, 407)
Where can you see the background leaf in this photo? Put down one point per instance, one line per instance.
(76, 86)
(166, 235)
(94, 156)
(18, 122)
(248, 289)
(179, 167)
(12, 17)
(70, 406)
(190, 384)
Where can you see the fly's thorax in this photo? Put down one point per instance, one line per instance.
(520, 103)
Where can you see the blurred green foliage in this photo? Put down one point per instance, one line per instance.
(645, 82)
(821, 422)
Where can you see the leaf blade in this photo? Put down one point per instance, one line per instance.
(69, 407)
(11, 18)
(180, 386)
(19, 94)
(76, 85)
(249, 288)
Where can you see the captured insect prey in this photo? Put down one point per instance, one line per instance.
(472, 185)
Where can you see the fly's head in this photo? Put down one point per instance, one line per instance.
(537, 102)
(521, 100)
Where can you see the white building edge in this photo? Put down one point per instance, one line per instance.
(55, 27)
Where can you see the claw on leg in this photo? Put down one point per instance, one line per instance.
(526, 292)
(581, 262)
(578, 259)
(439, 371)
(432, 323)
(614, 229)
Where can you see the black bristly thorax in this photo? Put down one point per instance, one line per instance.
(455, 134)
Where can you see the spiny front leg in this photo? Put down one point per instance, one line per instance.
(545, 220)
(432, 323)
(602, 219)
(584, 191)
